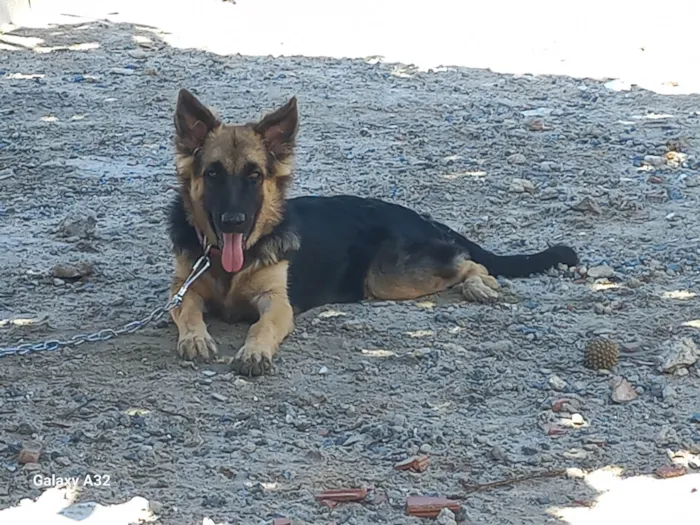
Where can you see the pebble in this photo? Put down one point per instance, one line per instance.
(323, 371)
(138, 54)
(600, 272)
(521, 186)
(517, 158)
(498, 454)
(677, 354)
(557, 383)
(72, 271)
(209, 373)
(249, 448)
(577, 419)
(634, 283)
(446, 517)
(587, 205)
(425, 448)
(121, 71)
(219, 397)
(655, 161)
(622, 391)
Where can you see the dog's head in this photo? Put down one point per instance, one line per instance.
(234, 177)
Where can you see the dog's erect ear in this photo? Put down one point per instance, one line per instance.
(193, 121)
(279, 129)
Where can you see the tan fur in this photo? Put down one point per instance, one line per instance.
(266, 290)
(194, 340)
(477, 285)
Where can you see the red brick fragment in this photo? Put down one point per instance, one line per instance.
(29, 453)
(338, 495)
(414, 463)
(281, 521)
(670, 471)
(428, 506)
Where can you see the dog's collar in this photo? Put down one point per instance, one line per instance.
(214, 250)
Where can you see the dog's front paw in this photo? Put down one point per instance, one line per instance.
(197, 345)
(253, 359)
(480, 289)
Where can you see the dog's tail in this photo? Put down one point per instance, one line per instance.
(522, 265)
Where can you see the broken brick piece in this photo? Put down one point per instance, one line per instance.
(29, 453)
(429, 507)
(414, 463)
(670, 471)
(338, 495)
(281, 521)
(329, 503)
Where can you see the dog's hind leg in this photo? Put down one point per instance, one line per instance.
(408, 270)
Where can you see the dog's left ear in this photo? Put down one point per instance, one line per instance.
(279, 129)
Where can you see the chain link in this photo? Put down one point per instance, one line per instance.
(51, 345)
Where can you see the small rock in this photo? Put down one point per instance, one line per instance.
(655, 161)
(678, 353)
(557, 383)
(29, 453)
(82, 227)
(575, 453)
(26, 429)
(634, 283)
(138, 54)
(446, 517)
(219, 397)
(323, 371)
(72, 271)
(587, 205)
(59, 282)
(249, 448)
(62, 461)
(577, 419)
(601, 272)
(425, 448)
(521, 186)
(209, 373)
(517, 158)
(622, 390)
(121, 71)
(31, 467)
(498, 454)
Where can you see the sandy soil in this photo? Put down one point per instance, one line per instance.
(86, 171)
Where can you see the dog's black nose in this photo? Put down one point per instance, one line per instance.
(232, 218)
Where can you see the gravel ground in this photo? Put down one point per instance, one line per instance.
(514, 162)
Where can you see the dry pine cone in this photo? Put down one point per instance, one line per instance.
(601, 354)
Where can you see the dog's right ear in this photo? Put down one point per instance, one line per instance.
(193, 122)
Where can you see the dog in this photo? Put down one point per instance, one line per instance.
(273, 257)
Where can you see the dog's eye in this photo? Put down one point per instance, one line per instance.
(255, 175)
(211, 172)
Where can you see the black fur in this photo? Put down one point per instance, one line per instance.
(341, 236)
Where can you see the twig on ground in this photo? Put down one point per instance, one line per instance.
(478, 487)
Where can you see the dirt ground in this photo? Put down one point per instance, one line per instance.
(514, 162)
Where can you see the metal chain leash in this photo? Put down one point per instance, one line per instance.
(201, 266)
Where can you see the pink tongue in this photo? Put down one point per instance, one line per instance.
(232, 254)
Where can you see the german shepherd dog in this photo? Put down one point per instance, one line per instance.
(274, 257)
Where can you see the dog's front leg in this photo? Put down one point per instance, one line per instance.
(194, 341)
(267, 290)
